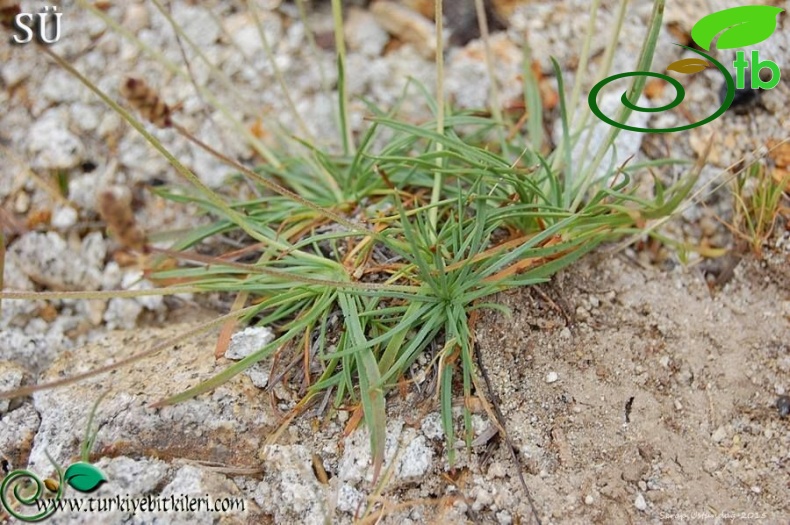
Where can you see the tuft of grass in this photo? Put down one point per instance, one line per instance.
(757, 204)
(363, 260)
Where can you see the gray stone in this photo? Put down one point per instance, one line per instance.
(17, 431)
(364, 34)
(225, 426)
(247, 342)
(290, 491)
(64, 217)
(34, 351)
(52, 145)
(47, 259)
(12, 376)
(414, 455)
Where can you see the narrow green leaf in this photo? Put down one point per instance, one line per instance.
(446, 392)
(533, 103)
(371, 395)
(90, 435)
(568, 181)
(373, 407)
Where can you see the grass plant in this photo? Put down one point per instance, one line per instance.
(757, 204)
(364, 258)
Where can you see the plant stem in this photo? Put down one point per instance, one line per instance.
(606, 66)
(278, 75)
(340, 44)
(584, 58)
(496, 109)
(433, 214)
(633, 94)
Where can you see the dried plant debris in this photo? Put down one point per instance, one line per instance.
(147, 102)
(116, 209)
(8, 11)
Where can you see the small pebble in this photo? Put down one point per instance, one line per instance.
(51, 145)
(710, 465)
(552, 377)
(588, 500)
(94, 310)
(248, 341)
(504, 517)
(653, 485)
(497, 470)
(64, 217)
(407, 25)
(22, 202)
(640, 502)
(783, 405)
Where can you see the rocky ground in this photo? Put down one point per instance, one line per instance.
(633, 388)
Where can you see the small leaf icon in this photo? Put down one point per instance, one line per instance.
(84, 477)
(687, 66)
(743, 26)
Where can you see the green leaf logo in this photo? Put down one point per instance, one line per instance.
(84, 477)
(688, 66)
(743, 26)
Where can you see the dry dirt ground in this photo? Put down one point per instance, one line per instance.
(663, 406)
